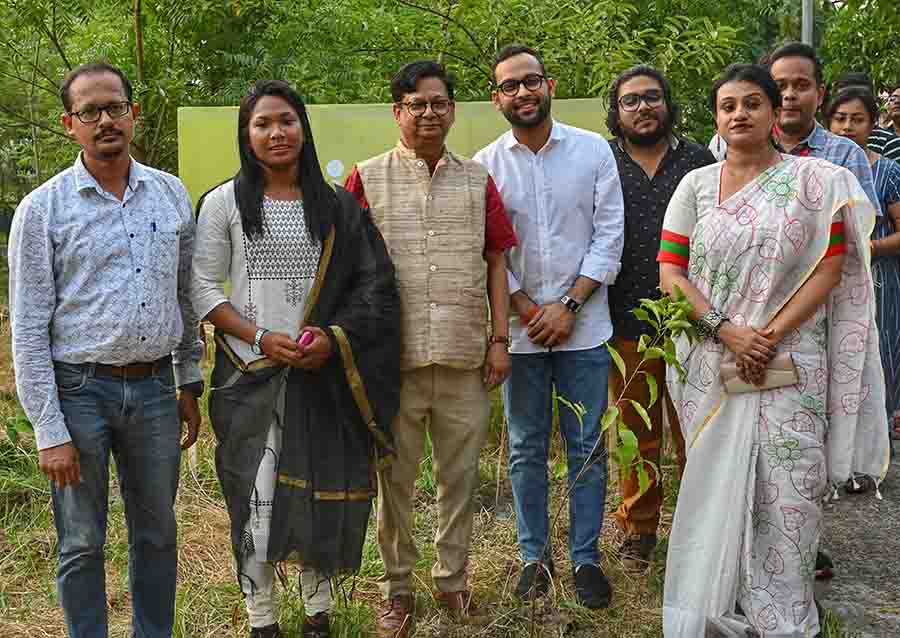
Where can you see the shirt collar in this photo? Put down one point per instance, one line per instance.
(407, 152)
(557, 134)
(84, 179)
(816, 137)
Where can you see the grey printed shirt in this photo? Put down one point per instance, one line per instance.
(95, 279)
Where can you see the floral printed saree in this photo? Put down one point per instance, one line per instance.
(760, 464)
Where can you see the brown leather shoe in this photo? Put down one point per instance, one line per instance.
(396, 618)
(461, 604)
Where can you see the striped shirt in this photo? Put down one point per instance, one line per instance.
(885, 142)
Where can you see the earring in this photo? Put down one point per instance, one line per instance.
(718, 144)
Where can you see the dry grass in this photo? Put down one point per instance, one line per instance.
(209, 602)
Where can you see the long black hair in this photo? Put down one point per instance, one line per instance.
(319, 199)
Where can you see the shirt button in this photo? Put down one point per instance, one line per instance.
(432, 268)
(431, 233)
(430, 198)
(131, 235)
(143, 338)
(137, 270)
(420, 163)
(433, 305)
(143, 305)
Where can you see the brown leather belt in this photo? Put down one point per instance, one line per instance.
(140, 370)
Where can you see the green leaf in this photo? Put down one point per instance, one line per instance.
(670, 354)
(617, 359)
(678, 324)
(609, 417)
(641, 314)
(577, 408)
(628, 447)
(653, 353)
(643, 478)
(643, 343)
(654, 390)
(642, 412)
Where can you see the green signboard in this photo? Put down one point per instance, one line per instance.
(346, 134)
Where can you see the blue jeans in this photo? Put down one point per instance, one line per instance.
(136, 420)
(579, 376)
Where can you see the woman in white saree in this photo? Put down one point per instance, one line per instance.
(773, 253)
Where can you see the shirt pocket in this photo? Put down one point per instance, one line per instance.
(164, 248)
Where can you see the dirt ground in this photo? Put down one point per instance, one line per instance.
(862, 534)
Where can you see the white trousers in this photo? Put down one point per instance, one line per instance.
(258, 575)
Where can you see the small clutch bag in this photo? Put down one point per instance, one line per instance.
(780, 372)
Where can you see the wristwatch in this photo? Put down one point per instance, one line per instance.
(570, 303)
(257, 341)
(500, 339)
(709, 324)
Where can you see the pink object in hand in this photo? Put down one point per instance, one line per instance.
(306, 338)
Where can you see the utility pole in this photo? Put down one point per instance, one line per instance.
(808, 21)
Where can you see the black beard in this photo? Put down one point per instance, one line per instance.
(663, 131)
(543, 112)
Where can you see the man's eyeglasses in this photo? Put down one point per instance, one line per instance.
(532, 82)
(93, 114)
(893, 99)
(632, 101)
(418, 108)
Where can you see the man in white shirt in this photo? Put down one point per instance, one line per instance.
(561, 188)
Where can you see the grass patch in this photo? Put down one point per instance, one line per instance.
(208, 599)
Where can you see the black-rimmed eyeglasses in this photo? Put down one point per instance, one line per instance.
(417, 108)
(632, 101)
(92, 114)
(532, 82)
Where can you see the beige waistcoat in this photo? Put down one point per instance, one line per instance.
(434, 230)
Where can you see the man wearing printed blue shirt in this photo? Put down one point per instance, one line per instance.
(103, 333)
(562, 193)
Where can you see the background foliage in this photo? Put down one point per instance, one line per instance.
(206, 52)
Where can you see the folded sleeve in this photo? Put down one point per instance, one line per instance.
(604, 256)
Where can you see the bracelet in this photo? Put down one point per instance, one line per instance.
(256, 348)
(709, 324)
(504, 339)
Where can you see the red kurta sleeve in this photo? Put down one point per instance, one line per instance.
(354, 185)
(498, 231)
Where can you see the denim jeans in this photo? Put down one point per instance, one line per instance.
(579, 376)
(136, 420)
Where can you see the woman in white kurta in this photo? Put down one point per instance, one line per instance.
(772, 252)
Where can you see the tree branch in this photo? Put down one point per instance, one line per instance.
(54, 39)
(138, 42)
(14, 50)
(25, 120)
(34, 84)
(450, 19)
(460, 58)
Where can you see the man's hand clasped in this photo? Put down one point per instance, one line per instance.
(551, 325)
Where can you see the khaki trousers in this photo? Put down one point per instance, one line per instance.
(639, 513)
(456, 407)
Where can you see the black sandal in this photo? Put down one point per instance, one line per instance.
(317, 626)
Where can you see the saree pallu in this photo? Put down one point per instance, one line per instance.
(335, 421)
(749, 512)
